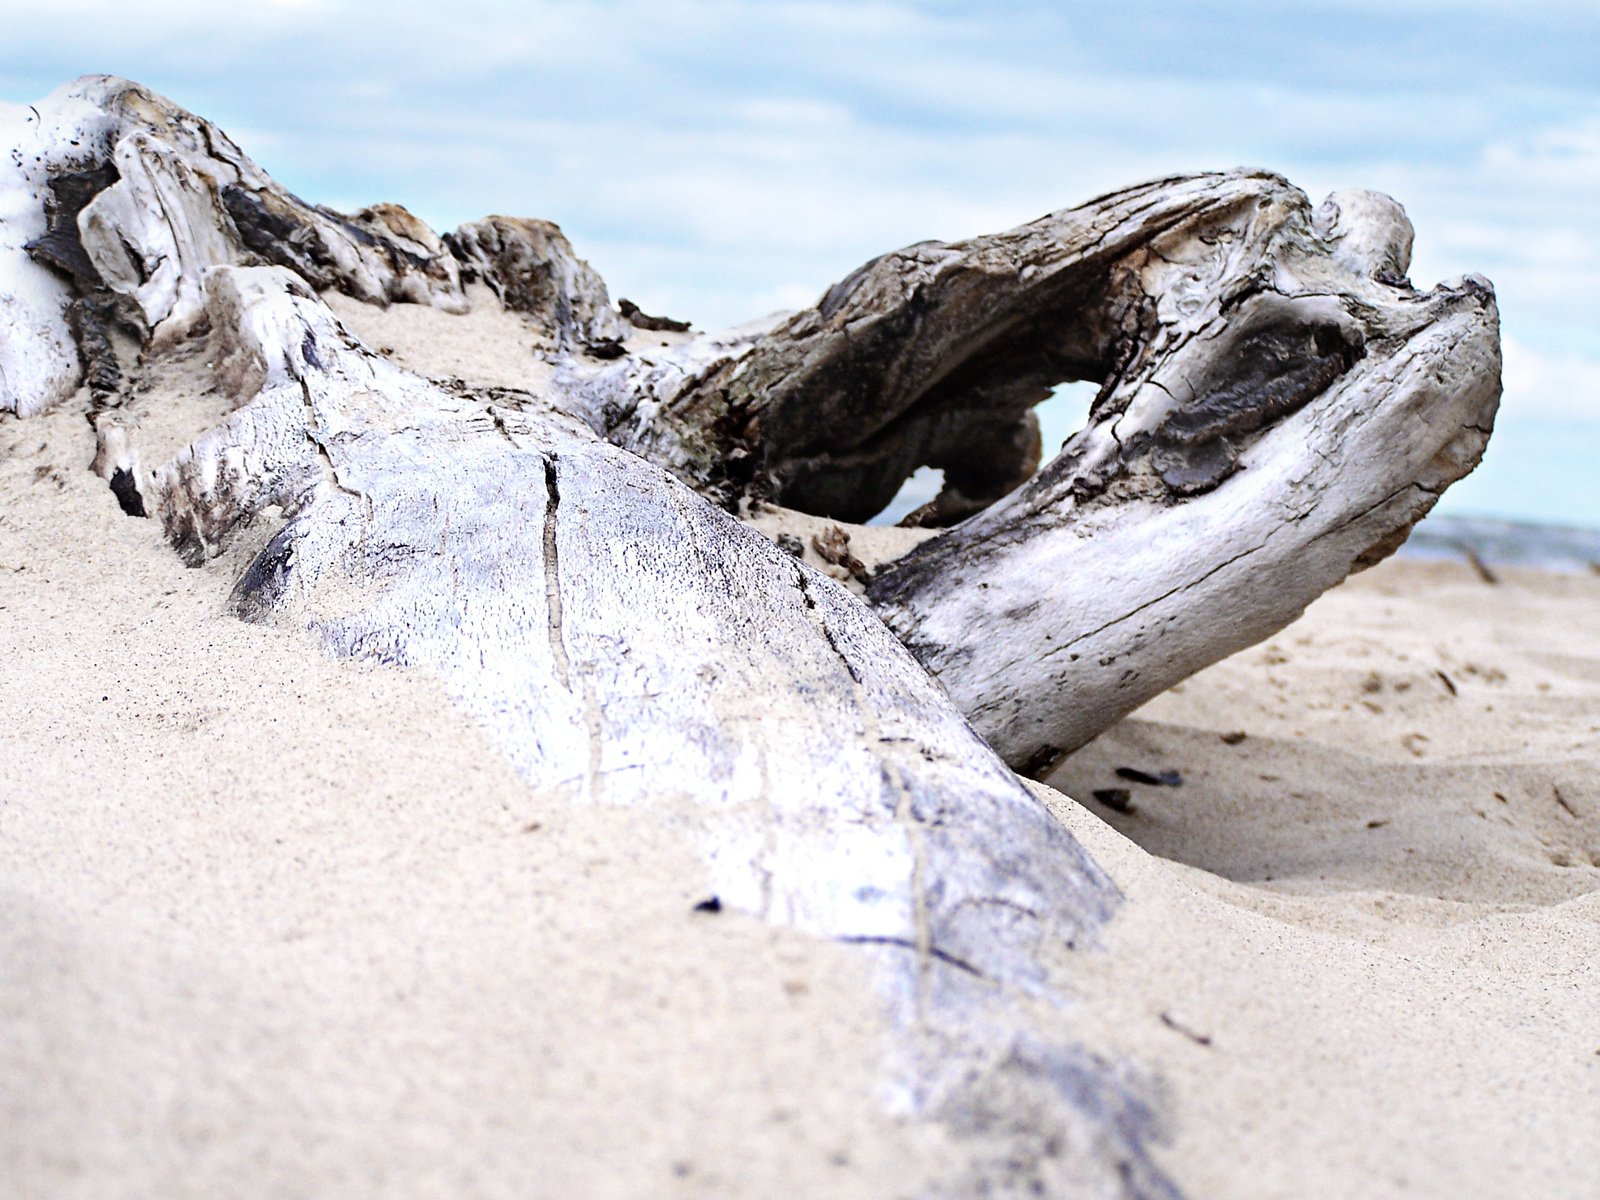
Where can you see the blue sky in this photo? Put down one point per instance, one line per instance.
(716, 160)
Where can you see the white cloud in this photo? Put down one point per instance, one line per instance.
(1563, 156)
(1543, 383)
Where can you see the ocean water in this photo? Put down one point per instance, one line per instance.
(1505, 543)
(1488, 539)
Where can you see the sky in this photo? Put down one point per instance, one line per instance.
(718, 160)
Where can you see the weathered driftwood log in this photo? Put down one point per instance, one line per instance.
(1277, 407)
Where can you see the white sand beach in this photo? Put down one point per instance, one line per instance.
(275, 925)
(1380, 909)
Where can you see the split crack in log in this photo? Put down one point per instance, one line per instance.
(552, 574)
(1277, 407)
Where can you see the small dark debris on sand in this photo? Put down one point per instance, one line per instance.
(1562, 800)
(1177, 1026)
(1478, 565)
(1161, 779)
(1116, 799)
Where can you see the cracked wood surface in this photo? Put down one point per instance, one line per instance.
(1277, 406)
(1284, 409)
(625, 639)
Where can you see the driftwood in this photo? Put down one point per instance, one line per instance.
(1278, 406)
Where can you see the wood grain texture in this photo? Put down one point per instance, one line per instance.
(1278, 406)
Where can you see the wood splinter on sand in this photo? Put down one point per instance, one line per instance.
(1277, 407)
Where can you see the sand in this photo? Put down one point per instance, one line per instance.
(272, 925)
(278, 926)
(1380, 909)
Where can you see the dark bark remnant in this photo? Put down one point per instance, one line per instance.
(643, 320)
(61, 247)
(94, 309)
(532, 268)
(127, 493)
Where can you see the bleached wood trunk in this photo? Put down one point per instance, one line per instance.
(1277, 407)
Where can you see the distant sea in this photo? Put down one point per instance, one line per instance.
(1505, 543)
(1490, 540)
(1501, 543)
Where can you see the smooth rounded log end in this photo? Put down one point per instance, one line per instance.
(1369, 232)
